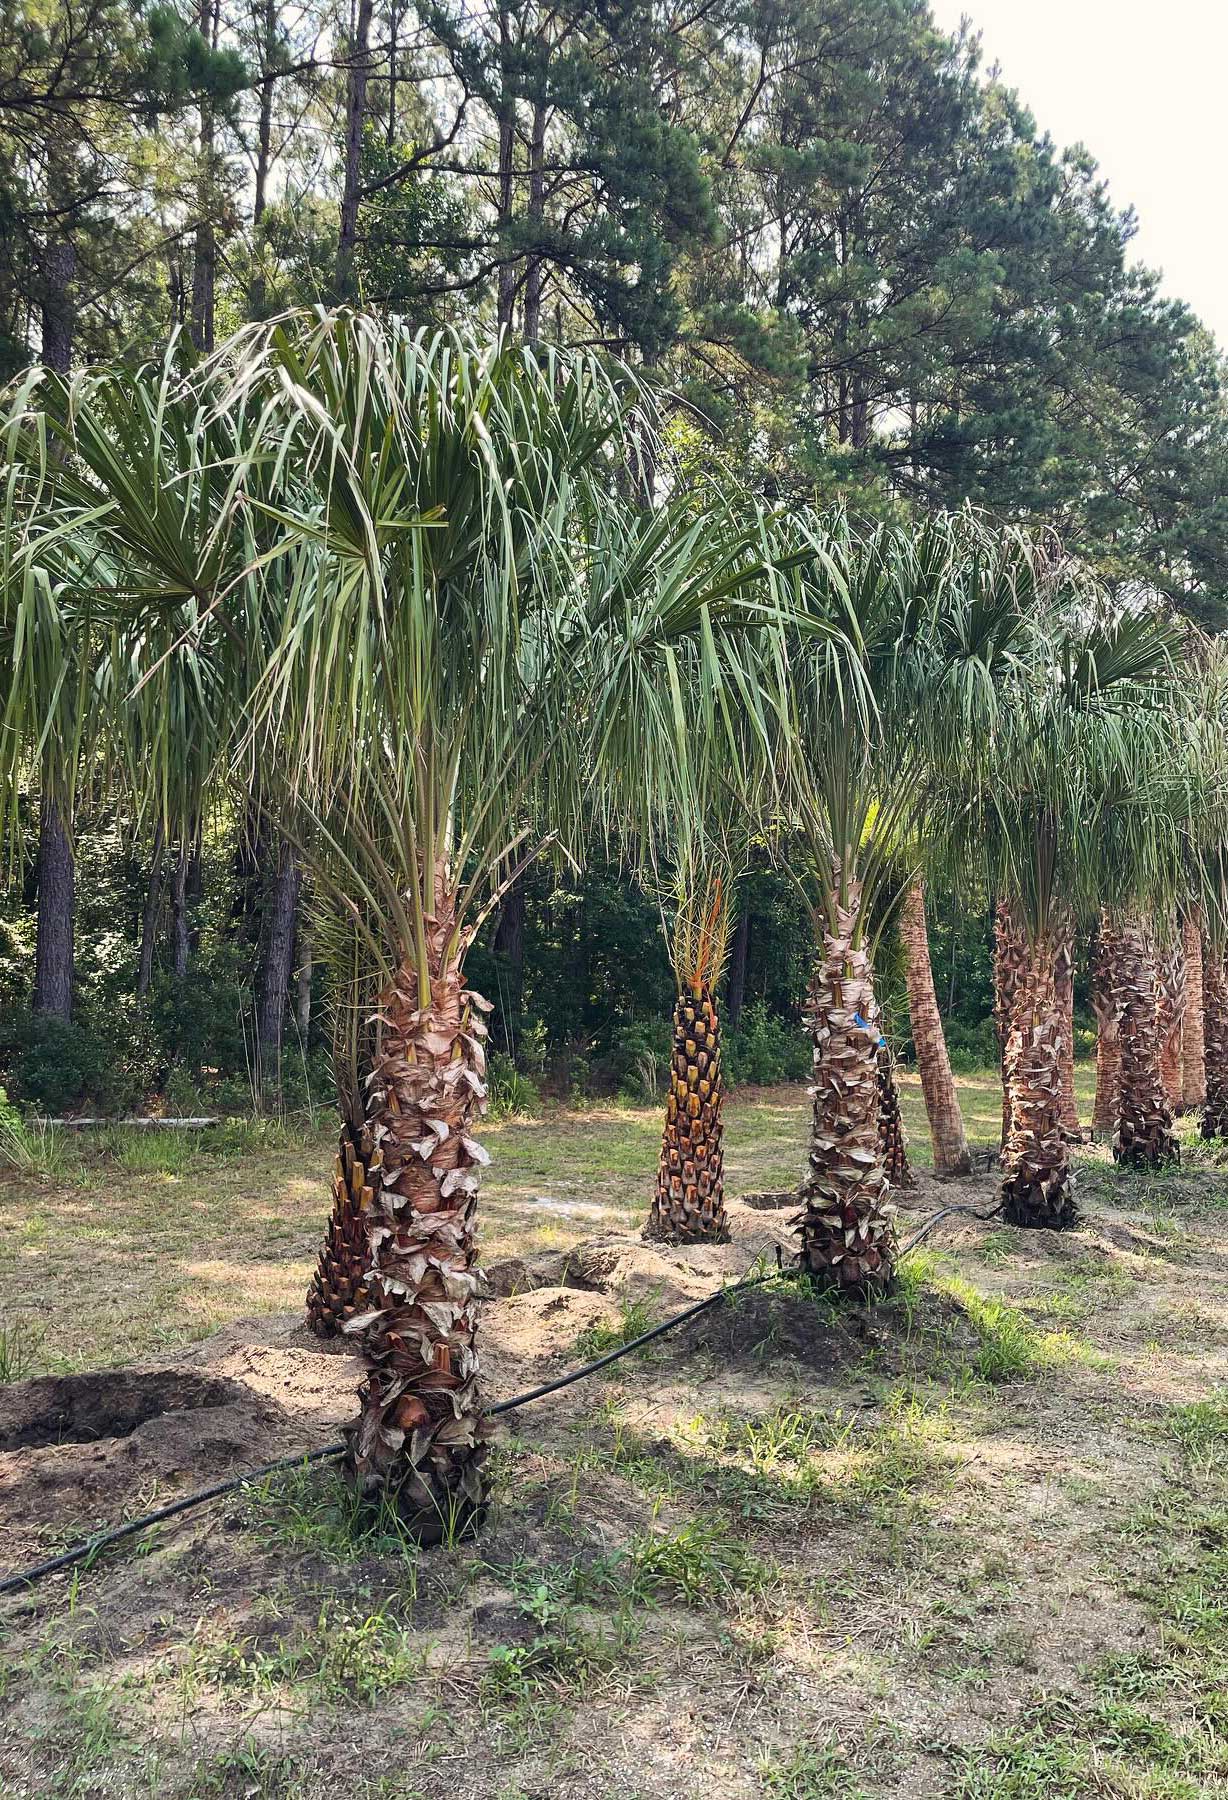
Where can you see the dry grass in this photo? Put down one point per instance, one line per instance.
(979, 1550)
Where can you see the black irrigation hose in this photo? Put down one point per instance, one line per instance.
(103, 1539)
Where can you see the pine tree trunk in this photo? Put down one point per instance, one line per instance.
(892, 1137)
(847, 1223)
(688, 1206)
(1063, 981)
(1193, 1054)
(420, 1437)
(1108, 1038)
(302, 986)
(57, 899)
(351, 174)
(942, 1107)
(1010, 955)
(535, 272)
(506, 295)
(277, 963)
(1144, 1136)
(1214, 1118)
(149, 918)
(1037, 1182)
(739, 956)
(179, 915)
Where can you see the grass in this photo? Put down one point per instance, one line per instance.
(979, 1550)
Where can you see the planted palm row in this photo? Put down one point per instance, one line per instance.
(404, 590)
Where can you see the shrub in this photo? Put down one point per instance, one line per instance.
(765, 1049)
(971, 1047)
(59, 1065)
(637, 1061)
(513, 1095)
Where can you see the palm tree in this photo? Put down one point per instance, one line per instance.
(928, 621)
(1108, 1042)
(413, 573)
(946, 1121)
(1193, 1056)
(1144, 1136)
(1072, 811)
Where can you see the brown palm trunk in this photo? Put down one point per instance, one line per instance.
(1144, 1136)
(1193, 1051)
(1214, 1119)
(1037, 1182)
(847, 1222)
(942, 1107)
(689, 1203)
(1170, 1013)
(420, 1437)
(892, 1136)
(1108, 1039)
(1010, 956)
(1063, 981)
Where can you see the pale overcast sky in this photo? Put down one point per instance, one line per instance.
(1142, 85)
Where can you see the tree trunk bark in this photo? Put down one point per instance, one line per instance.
(506, 303)
(57, 899)
(179, 915)
(302, 986)
(1144, 1137)
(1063, 982)
(1170, 1012)
(1193, 1052)
(942, 1107)
(1010, 960)
(847, 1222)
(276, 964)
(688, 1206)
(1037, 1182)
(892, 1137)
(351, 181)
(204, 262)
(1108, 1032)
(739, 956)
(508, 945)
(420, 1438)
(535, 272)
(1214, 1120)
(149, 919)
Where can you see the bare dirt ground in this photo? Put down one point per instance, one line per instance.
(971, 1542)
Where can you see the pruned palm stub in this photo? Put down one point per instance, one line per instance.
(338, 1290)
(420, 1432)
(848, 1222)
(892, 1136)
(1144, 1136)
(1214, 1117)
(1037, 1183)
(689, 1203)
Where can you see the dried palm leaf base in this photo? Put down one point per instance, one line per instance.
(1214, 1115)
(434, 1474)
(338, 1290)
(688, 1206)
(847, 1250)
(892, 1137)
(1040, 1199)
(1146, 1144)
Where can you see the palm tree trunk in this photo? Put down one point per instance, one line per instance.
(1144, 1135)
(689, 1203)
(892, 1137)
(420, 1437)
(1037, 1183)
(1063, 979)
(942, 1107)
(1170, 1005)
(1108, 1032)
(1193, 1052)
(276, 964)
(847, 1222)
(1010, 957)
(1214, 1120)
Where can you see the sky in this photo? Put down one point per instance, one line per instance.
(1142, 85)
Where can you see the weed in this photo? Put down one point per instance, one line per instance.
(814, 1772)
(31, 1146)
(1202, 1425)
(19, 1345)
(635, 1318)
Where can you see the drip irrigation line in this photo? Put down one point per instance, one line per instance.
(102, 1540)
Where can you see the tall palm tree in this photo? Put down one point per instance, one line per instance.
(1193, 1056)
(423, 594)
(1144, 1136)
(946, 1121)
(928, 621)
(1073, 812)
